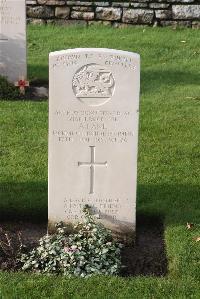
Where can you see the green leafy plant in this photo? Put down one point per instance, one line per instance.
(7, 90)
(90, 250)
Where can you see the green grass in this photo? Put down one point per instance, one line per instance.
(169, 158)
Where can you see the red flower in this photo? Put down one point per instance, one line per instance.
(22, 83)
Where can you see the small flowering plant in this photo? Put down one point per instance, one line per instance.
(90, 250)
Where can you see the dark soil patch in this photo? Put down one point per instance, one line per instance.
(10, 241)
(146, 257)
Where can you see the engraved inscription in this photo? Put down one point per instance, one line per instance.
(7, 14)
(3, 39)
(92, 165)
(102, 206)
(93, 84)
(109, 60)
(94, 126)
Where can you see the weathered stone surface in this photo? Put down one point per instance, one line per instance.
(105, 23)
(31, 2)
(176, 24)
(51, 2)
(121, 25)
(139, 5)
(82, 8)
(158, 5)
(163, 14)
(36, 21)
(180, 1)
(98, 3)
(196, 25)
(52, 21)
(41, 92)
(186, 11)
(40, 12)
(138, 16)
(168, 23)
(141, 1)
(138, 12)
(62, 12)
(79, 3)
(108, 14)
(183, 24)
(82, 15)
(155, 23)
(120, 4)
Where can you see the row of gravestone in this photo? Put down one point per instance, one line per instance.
(93, 126)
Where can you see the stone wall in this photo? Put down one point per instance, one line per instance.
(116, 13)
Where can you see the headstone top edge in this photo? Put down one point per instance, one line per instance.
(97, 50)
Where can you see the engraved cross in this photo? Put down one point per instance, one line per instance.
(92, 164)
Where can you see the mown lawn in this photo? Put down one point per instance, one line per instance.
(168, 168)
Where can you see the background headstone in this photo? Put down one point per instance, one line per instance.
(13, 39)
(93, 136)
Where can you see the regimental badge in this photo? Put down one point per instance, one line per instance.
(93, 84)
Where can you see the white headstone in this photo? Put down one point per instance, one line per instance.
(93, 136)
(13, 39)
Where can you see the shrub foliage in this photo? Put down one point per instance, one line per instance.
(89, 250)
(7, 90)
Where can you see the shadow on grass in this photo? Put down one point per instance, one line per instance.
(148, 255)
(152, 80)
(24, 202)
(157, 204)
(39, 74)
(29, 201)
(177, 203)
